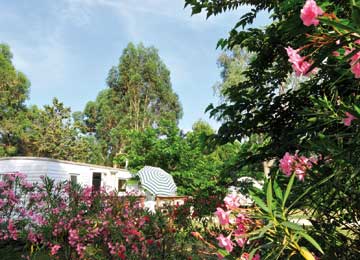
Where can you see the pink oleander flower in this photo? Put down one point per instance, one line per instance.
(80, 250)
(21, 176)
(12, 230)
(286, 164)
(223, 216)
(241, 241)
(2, 184)
(349, 118)
(310, 12)
(32, 237)
(354, 63)
(73, 236)
(240, 230)
(300, 173)
(232, 201)
(299, 65)
(225, 242)
(55, 249)
(355, 69)
(26, 184)
(245, 256)
(299, 165)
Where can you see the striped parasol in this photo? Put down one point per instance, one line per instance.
(157, 181)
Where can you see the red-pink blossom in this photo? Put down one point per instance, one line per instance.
(32, 237)
(349, 118)
(354, 63)
(55, 249)
(286, 164)
(232, 201)
(299, 64)
(245, 256)
(299, 165)
(310, 12)
(12, 230)
(223, 216)
(241, 241)
(2, 184)
(73, 237)
(355, 69)
(225, 242)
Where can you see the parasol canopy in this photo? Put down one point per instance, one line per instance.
(157, 181)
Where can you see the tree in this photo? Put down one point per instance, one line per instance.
(308, 119)
(233, 64)
(138, 97)
(196, 168)
(14, 88)
(50, 132)
(258, 105)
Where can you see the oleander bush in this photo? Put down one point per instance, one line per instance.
(66, 221)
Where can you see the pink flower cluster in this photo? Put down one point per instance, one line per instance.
(235, 221)
(299, 64)
(299, 165)
(354, 61)
(309, 15)
(349, 118)
(310, 12)
(83, 219)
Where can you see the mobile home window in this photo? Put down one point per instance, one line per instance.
(73, 179)
(96, 180)
(121, 185)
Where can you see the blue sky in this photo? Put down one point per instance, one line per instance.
(66, 47)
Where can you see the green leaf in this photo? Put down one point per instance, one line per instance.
(306, 253)
(311, 240)
(357, 109)
(223, 252)
(288, 189)
(338, 25)
(266, 228)
(355, 15)
(292, 225)
(258, 202)
(278, 191)
(252, 253)
(269, 196)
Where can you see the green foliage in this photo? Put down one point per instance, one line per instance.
(232, 63)
(281, 223)
(195, 168)
(306, 116)
(14, 88)
(139, 96)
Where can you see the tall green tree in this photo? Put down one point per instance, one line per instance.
(139, 95)
(14, 89)
(233, 63)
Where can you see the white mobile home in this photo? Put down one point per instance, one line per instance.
(59, 170)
